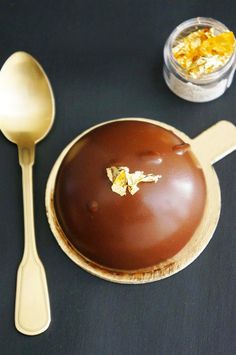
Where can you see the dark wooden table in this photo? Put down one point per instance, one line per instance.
(104, 60)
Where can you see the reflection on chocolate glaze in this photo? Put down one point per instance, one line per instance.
(93, 206)
(180, 149)
(151, 155)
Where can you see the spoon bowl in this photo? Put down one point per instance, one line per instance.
(27, 106)
(27, 110)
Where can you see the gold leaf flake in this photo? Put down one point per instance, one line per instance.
(120, 183)
(202, 51)
(122, 180)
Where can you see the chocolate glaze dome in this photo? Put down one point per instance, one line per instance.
(137, 231)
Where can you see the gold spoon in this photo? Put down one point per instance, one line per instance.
(27, 111)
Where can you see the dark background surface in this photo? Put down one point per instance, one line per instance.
(104, 60)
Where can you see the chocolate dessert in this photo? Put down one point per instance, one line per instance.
(129, 194)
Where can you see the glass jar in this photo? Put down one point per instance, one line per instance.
(209, 86)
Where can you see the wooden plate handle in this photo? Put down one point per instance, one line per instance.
(216, 142)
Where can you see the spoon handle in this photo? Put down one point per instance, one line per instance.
(32, 309)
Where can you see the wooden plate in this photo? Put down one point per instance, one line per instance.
(210, 146)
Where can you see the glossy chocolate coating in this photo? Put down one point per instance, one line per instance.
(129, 232)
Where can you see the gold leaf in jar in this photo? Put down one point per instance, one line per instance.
(202, 51)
